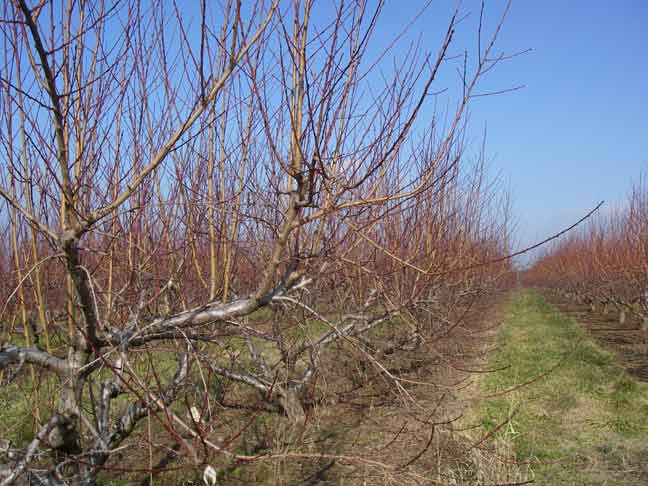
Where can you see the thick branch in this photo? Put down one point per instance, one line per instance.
(30, 217)
(14, 354)
(165, 327)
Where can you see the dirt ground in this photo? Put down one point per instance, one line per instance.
(626, 340)
(426, 434)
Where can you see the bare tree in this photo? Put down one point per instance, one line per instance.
(200, 211)
(604, 265)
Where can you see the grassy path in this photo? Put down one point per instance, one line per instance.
(585, 422)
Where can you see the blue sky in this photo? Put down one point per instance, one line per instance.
(578, 132)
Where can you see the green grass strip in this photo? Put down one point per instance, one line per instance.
(585, 422)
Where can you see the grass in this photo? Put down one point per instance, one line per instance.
(23, 403)
(583, 420)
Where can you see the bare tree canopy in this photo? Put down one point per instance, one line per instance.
(605, 264)
(214, 215)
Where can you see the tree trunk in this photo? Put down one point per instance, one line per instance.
(290, 401)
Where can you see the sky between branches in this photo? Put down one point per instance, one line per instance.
(577, 133)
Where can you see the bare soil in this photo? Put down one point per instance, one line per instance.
(627, 341)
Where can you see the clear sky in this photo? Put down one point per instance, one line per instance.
(578, 132)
